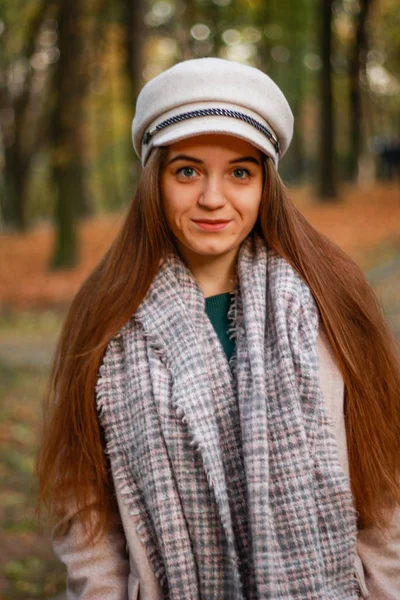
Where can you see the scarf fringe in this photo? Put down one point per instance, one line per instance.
(161, 353)
(153, 551)
(197, 442)
(233, 330)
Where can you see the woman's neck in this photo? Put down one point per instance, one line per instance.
(214, 274)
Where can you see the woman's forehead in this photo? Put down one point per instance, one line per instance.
(210, 142)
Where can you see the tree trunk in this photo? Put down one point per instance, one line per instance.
(66, 249)
(327, 178)
(133, 16)
(135, 37)
(13, 201)
(357, 67)
(68, 169)
(19, 148)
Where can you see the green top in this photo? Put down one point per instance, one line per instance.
(217, 308)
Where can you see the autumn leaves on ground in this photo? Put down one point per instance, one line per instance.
(33, 301)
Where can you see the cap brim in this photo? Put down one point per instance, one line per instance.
(208, 125)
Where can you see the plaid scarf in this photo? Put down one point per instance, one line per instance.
(231, 475)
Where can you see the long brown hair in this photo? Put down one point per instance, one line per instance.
(71, 461)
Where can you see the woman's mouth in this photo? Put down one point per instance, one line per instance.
(211, 224)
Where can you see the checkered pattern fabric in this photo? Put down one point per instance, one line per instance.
(231, 475)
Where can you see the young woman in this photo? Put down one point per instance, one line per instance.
(223, 415)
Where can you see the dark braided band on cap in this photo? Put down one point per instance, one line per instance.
(207, 112)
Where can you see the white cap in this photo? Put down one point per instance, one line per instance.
(212, 95)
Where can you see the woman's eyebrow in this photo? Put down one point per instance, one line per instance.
(185, 157)
(251, 159)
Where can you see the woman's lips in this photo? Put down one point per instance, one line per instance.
(209, 225)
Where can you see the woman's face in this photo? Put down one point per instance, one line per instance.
(211, 191)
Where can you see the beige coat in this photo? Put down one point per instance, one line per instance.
(117, 568)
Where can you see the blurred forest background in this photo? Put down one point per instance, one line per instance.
(70, 72)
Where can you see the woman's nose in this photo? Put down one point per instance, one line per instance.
(212, 195)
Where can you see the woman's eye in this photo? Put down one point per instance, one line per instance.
(186, 172)
(241, 173)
